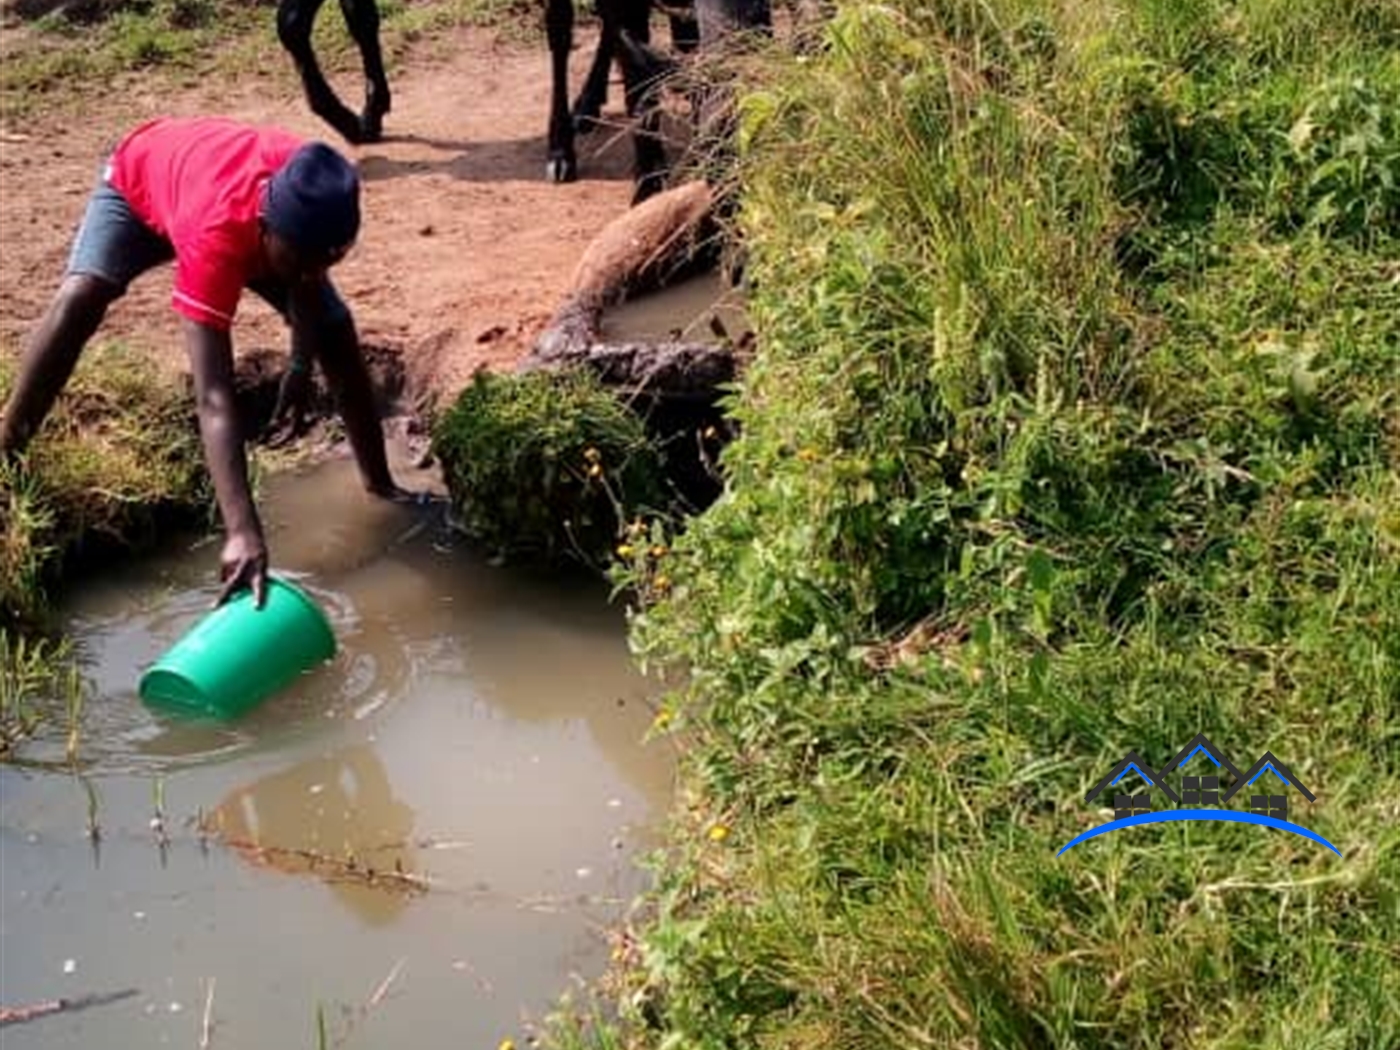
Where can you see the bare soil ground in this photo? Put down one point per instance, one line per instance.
(466, 249)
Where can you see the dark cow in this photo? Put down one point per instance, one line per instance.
(692, 21)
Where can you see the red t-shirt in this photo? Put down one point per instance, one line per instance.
(198, 183)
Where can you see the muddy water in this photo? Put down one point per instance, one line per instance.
(478, 735)
(683, 312)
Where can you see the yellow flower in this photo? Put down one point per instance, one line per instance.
(624, 550)
(719, 833)
(507, 1044)
(662, 720)
(658, 551)
(662, 581)
(809, 455)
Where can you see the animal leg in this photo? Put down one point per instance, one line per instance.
(294, 21)
(362, 19)
(589, 103)
(685, 27)
(644, 72)
(559, 28)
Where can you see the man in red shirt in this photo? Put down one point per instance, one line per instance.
(234, 206)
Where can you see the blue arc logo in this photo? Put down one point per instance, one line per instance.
(1229, 816)
(1220, 791)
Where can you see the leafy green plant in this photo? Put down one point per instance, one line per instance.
(547, 466)
(1346, 149)
(1072, 429)
(38, 680)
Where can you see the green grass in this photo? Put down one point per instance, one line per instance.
(38, 683)
(118, 455)
(547, 467)
(117, 463)
(1073, 429)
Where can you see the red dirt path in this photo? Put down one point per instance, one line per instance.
(465, 251)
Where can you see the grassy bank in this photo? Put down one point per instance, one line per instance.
(1073, 431)
(117, 458)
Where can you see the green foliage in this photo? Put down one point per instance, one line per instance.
(547, 466)
(37, 679)
(1073, 429)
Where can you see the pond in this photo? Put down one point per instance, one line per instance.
(684, 311)
(476, 745)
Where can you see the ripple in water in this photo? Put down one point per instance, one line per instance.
(121, 628)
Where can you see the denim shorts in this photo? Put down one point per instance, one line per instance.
(114, 244)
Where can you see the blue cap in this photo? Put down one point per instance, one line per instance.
(313, 200)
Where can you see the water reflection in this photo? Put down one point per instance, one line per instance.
(335, 817)
(479, 728)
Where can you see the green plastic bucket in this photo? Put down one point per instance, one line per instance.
(239, 655)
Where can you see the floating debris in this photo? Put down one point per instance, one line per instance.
(21, 1014)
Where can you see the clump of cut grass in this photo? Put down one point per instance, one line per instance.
(1071, 430)
(547, 466)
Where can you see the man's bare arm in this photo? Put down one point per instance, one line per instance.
(244, 558)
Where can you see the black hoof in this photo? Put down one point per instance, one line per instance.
(350, 129)
(561, 169)
(371, 127)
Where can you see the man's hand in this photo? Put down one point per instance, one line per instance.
(243, 563)
(244, 559)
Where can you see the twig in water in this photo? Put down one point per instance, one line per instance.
(362, 1013)
(383, 989)
(158, 819)
(94, 830)
(334, 868)
(22, 1014)
(208, 1014)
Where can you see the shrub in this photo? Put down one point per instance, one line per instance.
(547, 466)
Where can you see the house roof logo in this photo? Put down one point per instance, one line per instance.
(1193, 795)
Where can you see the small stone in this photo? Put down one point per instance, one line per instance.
(70, 965)
(175, 1008)
(583, 873)
(614, 803)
